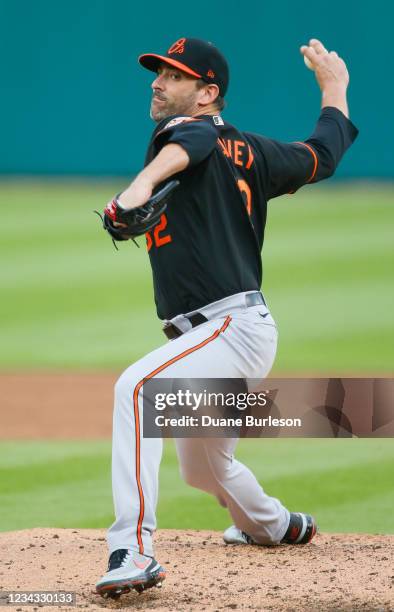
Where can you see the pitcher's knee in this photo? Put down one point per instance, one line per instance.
(187, 476)
(195, 478)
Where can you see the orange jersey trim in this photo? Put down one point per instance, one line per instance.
(315, 160)
(137, 420)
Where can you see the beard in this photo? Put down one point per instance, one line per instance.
(166, 107)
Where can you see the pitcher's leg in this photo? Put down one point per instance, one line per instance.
(209, 464)
(136, 460)
(135, 468)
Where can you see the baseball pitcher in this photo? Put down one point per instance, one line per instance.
(201, 200)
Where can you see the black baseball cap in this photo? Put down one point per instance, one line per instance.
(196, 57)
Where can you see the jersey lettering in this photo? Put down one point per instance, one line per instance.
(161, 240)
(157, 238)
(240, 152)
(245, 189)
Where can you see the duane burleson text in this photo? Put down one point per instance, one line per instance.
(208, 421)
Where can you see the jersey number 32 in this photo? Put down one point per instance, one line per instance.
(160, 239)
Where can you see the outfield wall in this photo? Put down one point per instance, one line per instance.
(75, 101)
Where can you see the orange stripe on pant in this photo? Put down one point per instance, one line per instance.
(137, 420)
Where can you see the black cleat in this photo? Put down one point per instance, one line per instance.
(301, 529)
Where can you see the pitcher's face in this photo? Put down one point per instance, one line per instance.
(174, 93)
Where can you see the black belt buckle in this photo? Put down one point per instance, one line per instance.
(254, 299)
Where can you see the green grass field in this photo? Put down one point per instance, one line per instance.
(347, 484)
(69, 300)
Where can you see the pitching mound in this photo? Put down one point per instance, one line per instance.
(335, 572)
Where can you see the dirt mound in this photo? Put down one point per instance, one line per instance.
(335, 572)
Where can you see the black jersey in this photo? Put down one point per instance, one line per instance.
(208, 243)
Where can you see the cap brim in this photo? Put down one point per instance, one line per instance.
(151, 61)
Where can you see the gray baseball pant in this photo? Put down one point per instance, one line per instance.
(236, 342)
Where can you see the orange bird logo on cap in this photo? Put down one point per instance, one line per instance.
(178, 46)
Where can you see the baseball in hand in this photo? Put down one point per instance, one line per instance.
(316, 48)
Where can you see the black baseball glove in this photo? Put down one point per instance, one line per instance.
(137, 221)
